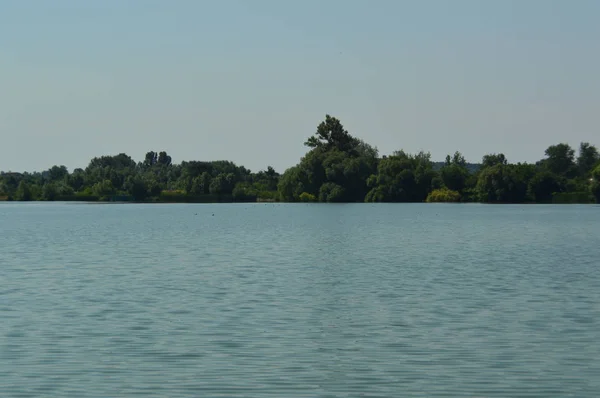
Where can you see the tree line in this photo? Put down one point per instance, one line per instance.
(342, 168)
(338, 167)
(156, 178)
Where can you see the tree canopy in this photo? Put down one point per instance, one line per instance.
(338, 167)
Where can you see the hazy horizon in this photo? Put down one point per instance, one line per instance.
(250, 81)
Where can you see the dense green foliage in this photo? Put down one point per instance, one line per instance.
(443, 195)
(338, 167)
(595, 183)
(155, 179)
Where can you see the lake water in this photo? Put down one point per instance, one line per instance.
(281, 300)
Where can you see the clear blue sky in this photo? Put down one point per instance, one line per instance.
(249, 80)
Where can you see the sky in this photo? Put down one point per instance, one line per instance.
(249, 81)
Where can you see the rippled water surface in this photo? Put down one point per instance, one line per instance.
(263, 300)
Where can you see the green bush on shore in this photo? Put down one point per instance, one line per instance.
(443, 195)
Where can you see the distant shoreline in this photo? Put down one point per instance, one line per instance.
(156, 202)
(337, 168)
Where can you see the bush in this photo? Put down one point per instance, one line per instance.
(307, 197)
(443, 195)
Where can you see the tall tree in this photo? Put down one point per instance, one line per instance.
(164, 159)
(222, 184)
(595, 183)
(201, 184)
(543, 185)
(150, 159)
(560, 160)
(587, 159)
(49, 191)
(57, 173)
(504, 183)
(103, 188)
(493, 159)
(23, 192)
(401, 178)
(76, 180)
(332, 135)
(454, 173)
(292, 184)
(136, 187)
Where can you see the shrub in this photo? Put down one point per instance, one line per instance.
(307, 197)
(443, 195)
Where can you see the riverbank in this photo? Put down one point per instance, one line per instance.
(557, 198)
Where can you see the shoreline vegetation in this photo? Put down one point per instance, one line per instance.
(338, 167)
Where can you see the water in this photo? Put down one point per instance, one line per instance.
(299, 300)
